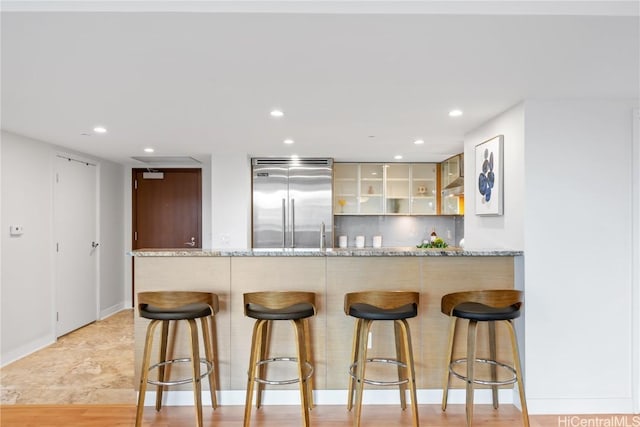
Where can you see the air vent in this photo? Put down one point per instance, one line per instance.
(166, 160)
(284, 161)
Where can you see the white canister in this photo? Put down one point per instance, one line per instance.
(342, 241)
(377, 241)
(359, 241)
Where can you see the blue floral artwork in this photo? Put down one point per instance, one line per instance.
(489, 173)
(487, 177)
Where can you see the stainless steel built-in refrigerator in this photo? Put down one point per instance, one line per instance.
(292, 203)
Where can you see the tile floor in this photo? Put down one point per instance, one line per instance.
(93, 364)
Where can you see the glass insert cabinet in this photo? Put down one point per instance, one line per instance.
(386, 188)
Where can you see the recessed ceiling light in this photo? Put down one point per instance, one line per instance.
(276, 113)
(288, 141)
(149, 150)
(397, 157)
(99, 129)
(418, 141)
(455, 113)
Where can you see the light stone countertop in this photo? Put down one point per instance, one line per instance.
(311, 252)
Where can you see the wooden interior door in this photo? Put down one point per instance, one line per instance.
(167, 208)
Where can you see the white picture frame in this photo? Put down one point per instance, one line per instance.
(489, 178)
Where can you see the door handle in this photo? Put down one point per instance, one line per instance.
(284, 223)
(293, 223)
(192, 243)
(94, 244)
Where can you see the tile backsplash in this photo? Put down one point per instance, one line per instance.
(398, 230)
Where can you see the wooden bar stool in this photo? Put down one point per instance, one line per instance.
(367, 307)
(267, 307)
(483, 306)
(163, 307)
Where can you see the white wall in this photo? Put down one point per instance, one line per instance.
(569, 205)
(231, 195)
(111, 238)
(26, 290)
(578, 248)
(506, 231)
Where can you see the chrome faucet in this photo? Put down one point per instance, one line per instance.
(323, 236)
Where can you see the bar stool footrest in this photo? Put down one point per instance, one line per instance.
(509, 368)
(377, 382)
(308, 366)
(205, 362)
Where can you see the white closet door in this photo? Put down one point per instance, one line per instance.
(76, 250)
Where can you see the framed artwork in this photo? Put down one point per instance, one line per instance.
(489, 177)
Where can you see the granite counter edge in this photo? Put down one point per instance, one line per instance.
(390, 252)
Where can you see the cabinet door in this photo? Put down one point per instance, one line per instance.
(398, 189)
(452, 203)
(424, 189)
(450, 170)
(371, 188)
(345, 188)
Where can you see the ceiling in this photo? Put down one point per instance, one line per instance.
(356, 80)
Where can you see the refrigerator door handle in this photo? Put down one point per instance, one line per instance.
(293, 223)
(284, 223)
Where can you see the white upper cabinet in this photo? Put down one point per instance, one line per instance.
(385, 189)
(424, 189)
(452, 178)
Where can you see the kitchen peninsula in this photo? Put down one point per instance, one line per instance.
(330, 274)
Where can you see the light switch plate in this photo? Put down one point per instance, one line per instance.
(16, 230)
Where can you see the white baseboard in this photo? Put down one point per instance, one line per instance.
(26, 349)
(327, 397)
(579, 406)
(391, 397)
(110, 311)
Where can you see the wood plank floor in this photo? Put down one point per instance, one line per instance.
(274, 416)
